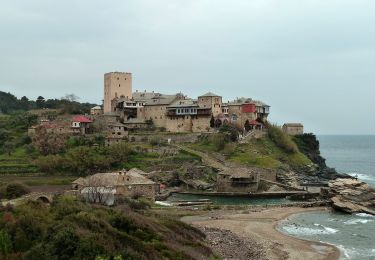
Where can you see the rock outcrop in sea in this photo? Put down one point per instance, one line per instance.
(352, 196)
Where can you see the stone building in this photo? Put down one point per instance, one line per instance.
(116, 85)
(81, 125)
(116, 133)
(96, 111)
(105, 188)
(293, 128)
(178, 113)
(242, 180)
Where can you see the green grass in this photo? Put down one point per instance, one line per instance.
(18, 162)
(265, 154)
(153, 161)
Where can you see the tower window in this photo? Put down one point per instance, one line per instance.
(118, 78)
(119, 85)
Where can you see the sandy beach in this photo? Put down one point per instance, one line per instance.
(257, 237)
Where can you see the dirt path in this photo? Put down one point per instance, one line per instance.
(260, 228)
(206, 158)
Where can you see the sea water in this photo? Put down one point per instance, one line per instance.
(354, 234)
(222, 200)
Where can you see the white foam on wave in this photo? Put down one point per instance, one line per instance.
(297, 230)
(364, 215)
(357, 221)
(361, 176)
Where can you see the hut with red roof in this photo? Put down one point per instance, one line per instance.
(81, 125)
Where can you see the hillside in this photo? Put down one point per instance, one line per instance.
(70, 229)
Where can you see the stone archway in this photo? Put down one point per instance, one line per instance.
(218, 123)
(44, 199)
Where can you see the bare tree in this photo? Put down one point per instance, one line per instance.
(96, 191)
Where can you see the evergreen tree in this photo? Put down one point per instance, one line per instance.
(212, 122)
(40, 102)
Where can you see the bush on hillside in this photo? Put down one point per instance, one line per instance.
(15, 190)
(70, 229)
(281, 139)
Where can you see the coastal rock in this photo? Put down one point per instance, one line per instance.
(352, 196)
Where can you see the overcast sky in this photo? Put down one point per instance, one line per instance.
(313, 61)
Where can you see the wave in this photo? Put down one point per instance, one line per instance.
(364, 215)
(297, 230)
(357, 221)
(361, 176)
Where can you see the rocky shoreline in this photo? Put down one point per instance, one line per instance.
(252, 234)
(230, 246)
(351, 196)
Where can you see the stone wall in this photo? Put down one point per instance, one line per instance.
(144, 190)
(270, 176)
(175, 138)
(225, 184)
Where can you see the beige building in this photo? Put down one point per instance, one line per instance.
(178, 113)
(96, 111)
(293, 128)
(212, 101)
(106, 187)
(243, 180)
(116, 85)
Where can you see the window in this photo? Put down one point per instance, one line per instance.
(119, 85)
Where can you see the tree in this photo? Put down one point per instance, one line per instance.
(212, 122)
(120, 152)
(247, 125)
(97, 191)
(9, 147)
(25, 103)
(40, 102)
(70, 97)
(48, 143)
(5, 244)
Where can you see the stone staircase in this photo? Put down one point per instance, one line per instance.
(252, 134)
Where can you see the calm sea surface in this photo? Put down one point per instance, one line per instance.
(353, 234)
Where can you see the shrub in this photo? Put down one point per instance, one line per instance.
(281, 139)
(219, 141)
(15, 190)
(5, 244)
(50, 163)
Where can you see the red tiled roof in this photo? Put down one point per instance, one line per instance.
(81, 119)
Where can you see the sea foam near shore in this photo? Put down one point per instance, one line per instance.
(352, 234)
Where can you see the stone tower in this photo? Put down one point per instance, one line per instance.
(211, 100)
(116, 84)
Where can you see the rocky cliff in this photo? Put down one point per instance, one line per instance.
(351, 196)
(309, 145)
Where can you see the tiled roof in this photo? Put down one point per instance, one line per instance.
(184, 103)
(210, 94)
(152, 98)
(112, 179)
(81, 119)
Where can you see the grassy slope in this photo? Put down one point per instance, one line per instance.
(153, 161)
(264, 153)
(261, 152)
(71, 229)
(18, 162)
